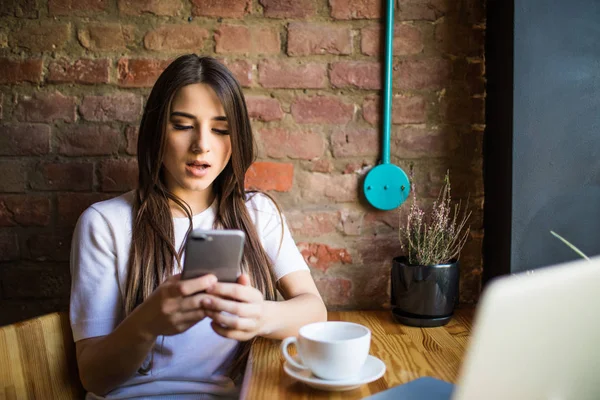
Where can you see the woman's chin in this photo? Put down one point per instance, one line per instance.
(198, 187)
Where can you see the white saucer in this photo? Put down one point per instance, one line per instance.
(373, 369)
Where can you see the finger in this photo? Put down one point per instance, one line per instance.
(244, 280)
(245, 310)
(230, 321)
(172, 285)
(191, 317)
(235, 291)
(231, 333)
(193, 302)
(190, 286)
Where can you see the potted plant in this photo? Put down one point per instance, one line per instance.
(425, 280)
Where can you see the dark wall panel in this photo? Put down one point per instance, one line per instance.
(556, 128)
(542, 146)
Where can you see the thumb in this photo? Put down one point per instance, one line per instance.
(244, 279)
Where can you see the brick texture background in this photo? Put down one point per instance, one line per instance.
(74, 76)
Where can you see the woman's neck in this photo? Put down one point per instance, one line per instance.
(198, 202)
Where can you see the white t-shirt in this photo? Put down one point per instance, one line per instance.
(186, 364)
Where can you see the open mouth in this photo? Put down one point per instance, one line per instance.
(198, 164)
(198, 169)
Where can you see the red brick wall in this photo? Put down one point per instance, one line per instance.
(73, 80)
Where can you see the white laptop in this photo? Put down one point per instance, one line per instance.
(536, 336)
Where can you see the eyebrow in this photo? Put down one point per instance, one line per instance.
(190, 116)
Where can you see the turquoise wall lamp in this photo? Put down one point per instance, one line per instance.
(386, 186)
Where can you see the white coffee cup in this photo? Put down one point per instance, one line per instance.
(332, 350)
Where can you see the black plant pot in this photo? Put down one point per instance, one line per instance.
(424, 295)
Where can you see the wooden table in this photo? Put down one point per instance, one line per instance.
(407, 352)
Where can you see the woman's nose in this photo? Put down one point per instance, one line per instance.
(201, 139)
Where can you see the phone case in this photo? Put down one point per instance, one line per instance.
(214, 251)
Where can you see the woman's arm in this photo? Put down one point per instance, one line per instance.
(303, 304)
(107, 361)
(247, 315)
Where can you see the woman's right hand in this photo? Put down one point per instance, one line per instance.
(175, 306)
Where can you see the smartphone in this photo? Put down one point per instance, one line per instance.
(217, 252)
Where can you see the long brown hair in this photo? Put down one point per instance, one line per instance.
(153, 253)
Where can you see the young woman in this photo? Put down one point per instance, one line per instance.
(139, 330)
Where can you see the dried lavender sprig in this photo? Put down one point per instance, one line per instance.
(440, 239)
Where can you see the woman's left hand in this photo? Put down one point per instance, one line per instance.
(236, 309)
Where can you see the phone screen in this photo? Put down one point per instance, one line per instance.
(217, 252)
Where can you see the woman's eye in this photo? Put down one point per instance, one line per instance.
(181, 127)
(221, 131)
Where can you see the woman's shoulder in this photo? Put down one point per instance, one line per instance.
(262, 203)
(263, 210)
(117, 210)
